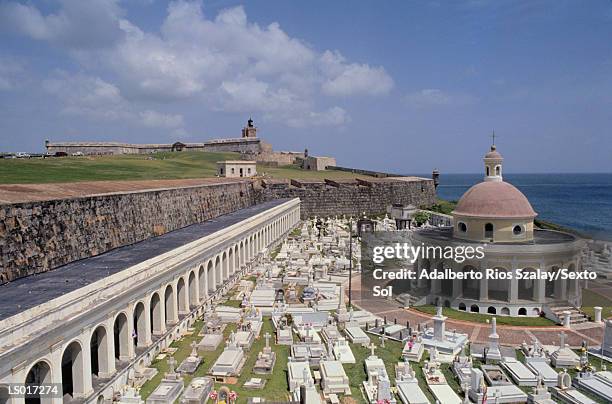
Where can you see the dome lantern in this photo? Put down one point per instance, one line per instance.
(493, 165)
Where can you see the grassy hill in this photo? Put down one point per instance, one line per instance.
(156, 166)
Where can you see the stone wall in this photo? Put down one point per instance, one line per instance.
(38, 236)
(330, 198)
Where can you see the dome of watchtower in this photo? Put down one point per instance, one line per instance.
(494, 210)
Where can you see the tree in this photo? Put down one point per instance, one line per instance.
(421, 217)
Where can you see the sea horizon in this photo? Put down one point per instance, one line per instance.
(572, 200)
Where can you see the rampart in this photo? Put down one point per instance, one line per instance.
(352, 197)
(42, 235)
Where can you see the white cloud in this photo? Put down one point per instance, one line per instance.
(431, 97)
(158, 120)
(225, 62)
(353, 78)
(94, 98)
(11, 71)
(334, 116)
(77, 25)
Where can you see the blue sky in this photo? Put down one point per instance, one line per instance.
(403, 86)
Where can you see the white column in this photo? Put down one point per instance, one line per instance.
(56, 371)
(84, 367)
(131, 351)
(146, 338)
(566, 318)
(109, 352)
(597, 310)
(513, 293)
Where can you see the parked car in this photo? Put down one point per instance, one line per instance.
(22, 155)
(77, 154)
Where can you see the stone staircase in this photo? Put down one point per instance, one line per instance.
(410, 300)
(576, 316)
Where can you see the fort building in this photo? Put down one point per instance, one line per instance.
(248, 145)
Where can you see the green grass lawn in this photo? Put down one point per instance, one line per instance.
(184, 349)
(591, 299)
(483, 318)
(442, 206)
(163, 165)
(391, 354)
(232, 303)
(277, 385)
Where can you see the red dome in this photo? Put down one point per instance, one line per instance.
(495, 199)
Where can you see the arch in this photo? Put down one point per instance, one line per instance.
(122, 337)
(218, 272)
(241, 252)
(491, 310)
(488, 230)
(446, 285)
(571, 284)
(99, 346)
(140, 325)
(236, 259)
(488, 171)
(474, 309)
(170, 303)
(522, 311)
(498, 286)
(462, 306)
(182, 298)
(550, 290)
(156, 315)
(210, 276)
(4, 395)
(193, 289)
(535, 311)
(73, 375)
(224, 266)
(426, 264)
(526, 287)
(504, 311)
(470, 287)
(447, 303)
(39, 373)
(230, 261)
(202, 282)
(247, 250)
(497, 170)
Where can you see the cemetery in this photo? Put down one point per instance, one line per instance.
(288, 334)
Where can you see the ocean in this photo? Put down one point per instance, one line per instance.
(579, 201)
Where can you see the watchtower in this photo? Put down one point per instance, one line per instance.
(250, 130)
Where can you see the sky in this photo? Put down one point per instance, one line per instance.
(399, 86)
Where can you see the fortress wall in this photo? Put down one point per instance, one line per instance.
(327, 199)
(38, 236)
(238, 146)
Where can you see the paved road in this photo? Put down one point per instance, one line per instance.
(508, 335)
